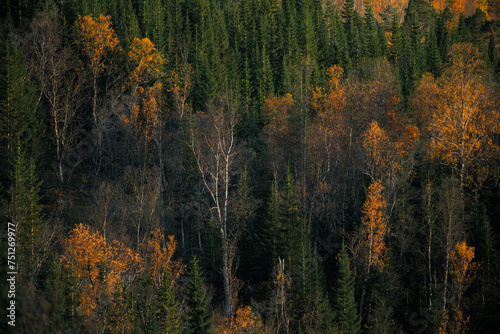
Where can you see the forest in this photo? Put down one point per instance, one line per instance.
(250, 166)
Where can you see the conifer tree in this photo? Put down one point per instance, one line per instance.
(338, 40)
(169, 321)
(22, 126)
(492, 57)
(432, 54)
(21, 132)
(395, 42)
(287, 226)
(198, 319)
(5, 327)
(461, 34)
(121, 318)
(346, 317)
(312, 302)
(442, 36)
(374, 47)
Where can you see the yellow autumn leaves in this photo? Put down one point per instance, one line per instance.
(99, 264)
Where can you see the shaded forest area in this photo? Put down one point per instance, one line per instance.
(251, 166)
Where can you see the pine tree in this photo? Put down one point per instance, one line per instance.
(21, 131)
(432, 54)
(415, 42)
(347, 318)
(462, 33)
(287, 227)
(353, 27)
(492, 57)
(374, 48)
(395, 42)
(54, 292)
(442, 36)
(198, 319)
(312, 303)
(121, 317)
(339, 46)
(26, 213)
(22, 126)
(5, 284)
(169, 321)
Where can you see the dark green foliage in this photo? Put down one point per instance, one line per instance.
(395, 42)
(198, 319)
(54, 294)
(26, 213)
(248, 49)
(432, 54)
(381, 301)
(285, 225)
(169, 320)
(443, 38)
(5, 285)
(374, 44)
(22, 127)
(346, 314)
(492, 55)
(125, 23)
(311, 306)
(462, 33)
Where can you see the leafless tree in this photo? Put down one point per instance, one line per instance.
(53, 70)
(213, 141)
(142, 194)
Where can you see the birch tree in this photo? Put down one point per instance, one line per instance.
(213, 142)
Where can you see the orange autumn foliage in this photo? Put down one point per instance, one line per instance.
(180, 85)
(98, 40)
(98, 265)
(460, 115)
(160, 259)
(283, 127)
(326, 134)
(330, 105)
(462, 268)
(148, 62)
(243, 322)
(378, 149)
(145, 118)
(386, 155)
(374, 225)
(279, 110)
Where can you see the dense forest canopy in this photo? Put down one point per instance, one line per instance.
(250, 166)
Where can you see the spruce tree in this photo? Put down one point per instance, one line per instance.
(21, 134)
(432, 54)
(5, 285)
(121, 317)
(54, 292)
(492, 57)
(26, 213)
(288, 226)
(442, 36)
(395, 42)
(309, 284)
(169, 320)
(462, 33)
(198, 319)
(374, 48)
(347, 319)
(22, 126)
